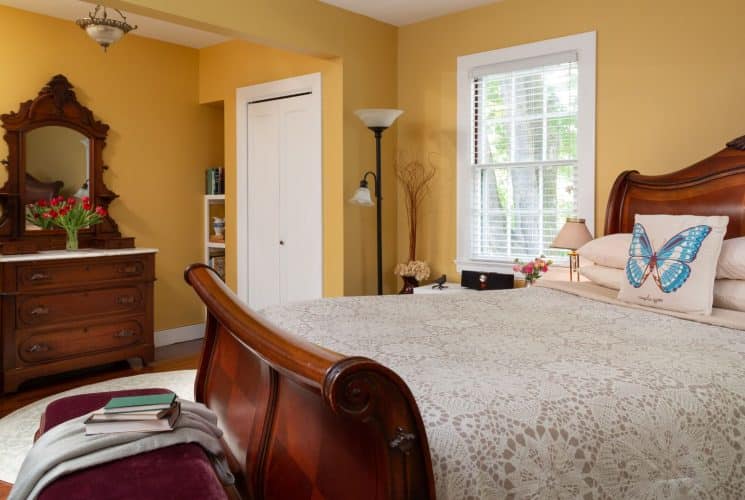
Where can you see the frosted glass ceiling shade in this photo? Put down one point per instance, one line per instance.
(104, 29)
(362, 197)
(573, 235)
(104, 35)
(378, 117)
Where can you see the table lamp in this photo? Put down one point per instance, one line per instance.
(573, 235)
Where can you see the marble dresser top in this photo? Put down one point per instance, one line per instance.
(76, 254)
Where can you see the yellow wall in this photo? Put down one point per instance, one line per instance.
(160, 140)
(669, 93)
(368, 51)
(225, 67)
(669, 88)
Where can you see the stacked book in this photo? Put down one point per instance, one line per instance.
(217, 262)
(150, 413)
(215, 181)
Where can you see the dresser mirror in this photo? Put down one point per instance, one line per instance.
(55, 148)
(57, 163)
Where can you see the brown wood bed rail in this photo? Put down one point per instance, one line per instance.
(713, 186)
(301, 421)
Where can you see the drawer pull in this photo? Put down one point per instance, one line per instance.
(38, 348)
(124, 333)
(39, 277)
(125, 299)
(130, 269)
(39, 311)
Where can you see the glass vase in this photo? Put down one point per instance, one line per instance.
(72, 239)
(519, 280)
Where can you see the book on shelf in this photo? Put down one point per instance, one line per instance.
(98, 423)
(217, 262)
(215, 180)
(149, 402)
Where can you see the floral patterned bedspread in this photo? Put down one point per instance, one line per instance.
(537, 393)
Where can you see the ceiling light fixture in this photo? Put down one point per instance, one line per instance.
(105, 30)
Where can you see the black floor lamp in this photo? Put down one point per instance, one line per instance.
(376, 120)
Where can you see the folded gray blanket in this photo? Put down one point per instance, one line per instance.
(65, 448)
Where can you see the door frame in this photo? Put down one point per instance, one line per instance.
(245, 95)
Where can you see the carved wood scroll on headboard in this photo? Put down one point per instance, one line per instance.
(713, 186)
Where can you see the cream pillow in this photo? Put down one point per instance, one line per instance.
(732, 260)
(729, 294)
(672, 262)
(608, 251)
(609, 277)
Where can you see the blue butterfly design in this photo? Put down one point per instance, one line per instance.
(669, 265)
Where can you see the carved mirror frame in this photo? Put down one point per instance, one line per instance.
(57, 105)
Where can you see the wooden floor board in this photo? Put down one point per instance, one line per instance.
(182, 356)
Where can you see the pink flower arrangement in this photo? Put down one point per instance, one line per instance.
(533, 269)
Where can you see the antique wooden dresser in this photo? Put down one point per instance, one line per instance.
(66, 310)
(63, 310)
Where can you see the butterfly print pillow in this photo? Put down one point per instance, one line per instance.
(672, 262)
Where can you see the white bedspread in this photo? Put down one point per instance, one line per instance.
(537, 393)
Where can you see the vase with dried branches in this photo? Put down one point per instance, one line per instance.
(414, 176)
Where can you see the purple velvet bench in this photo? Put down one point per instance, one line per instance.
(178, 472)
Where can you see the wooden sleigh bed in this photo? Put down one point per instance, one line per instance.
(304, 422)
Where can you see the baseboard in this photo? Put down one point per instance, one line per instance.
(181, 334)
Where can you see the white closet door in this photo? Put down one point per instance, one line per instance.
(285, 227)
(263, 205)
(300, 201)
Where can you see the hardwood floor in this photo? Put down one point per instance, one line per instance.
(182, 356)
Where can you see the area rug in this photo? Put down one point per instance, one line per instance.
(17, 429)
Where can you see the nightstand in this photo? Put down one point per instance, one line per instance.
(451, 288)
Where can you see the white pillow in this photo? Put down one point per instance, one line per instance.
(673, 261)
(732, 260)
(608, 251)
(609, 277)
(729, 294)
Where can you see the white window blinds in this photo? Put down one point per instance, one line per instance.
(524, 155)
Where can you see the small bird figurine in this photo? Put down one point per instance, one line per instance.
(440, 282)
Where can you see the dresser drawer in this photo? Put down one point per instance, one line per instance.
(36, 275)
(46, 309)
(62, 344)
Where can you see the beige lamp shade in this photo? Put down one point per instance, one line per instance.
(378, 117)
(573, 235)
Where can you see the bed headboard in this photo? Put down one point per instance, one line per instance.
(714, 186)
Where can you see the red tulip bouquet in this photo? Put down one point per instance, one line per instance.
(68, 214)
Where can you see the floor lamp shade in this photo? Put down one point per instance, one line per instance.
(378, 117)
(362, 197)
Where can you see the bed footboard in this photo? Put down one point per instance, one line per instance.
(301, 421)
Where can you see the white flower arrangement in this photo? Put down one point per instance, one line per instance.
(416, 269)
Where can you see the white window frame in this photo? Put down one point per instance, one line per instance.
(584, 44)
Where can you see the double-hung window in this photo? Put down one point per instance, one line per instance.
(526, 141)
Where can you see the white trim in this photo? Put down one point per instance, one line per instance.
(585, 46)
(244, 95)
(180, 334)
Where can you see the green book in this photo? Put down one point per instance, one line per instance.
(140, 403)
